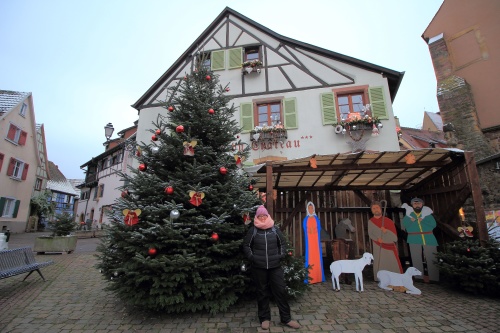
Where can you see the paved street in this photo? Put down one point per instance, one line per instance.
(73, 299)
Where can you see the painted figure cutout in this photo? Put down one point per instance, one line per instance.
(314, 255)
(421, 237)
(382, 232)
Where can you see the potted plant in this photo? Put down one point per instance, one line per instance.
(61, 239)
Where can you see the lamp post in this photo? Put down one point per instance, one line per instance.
(108, 131)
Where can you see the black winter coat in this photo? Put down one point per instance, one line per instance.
(265, 248)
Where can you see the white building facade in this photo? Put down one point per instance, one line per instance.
(294, 95)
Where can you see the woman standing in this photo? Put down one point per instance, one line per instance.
(264, 245)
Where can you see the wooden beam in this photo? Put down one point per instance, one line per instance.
(269, 188)
(470, 164)
(363, 197)
(354, 166)
(299, 204)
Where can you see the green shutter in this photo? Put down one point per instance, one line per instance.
(290, 113)
(246, 117)
(217, 60)
(235, 57)
(377, 101)
(2, 205)
(16, 208)
(328, 112)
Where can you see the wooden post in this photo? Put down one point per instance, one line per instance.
(470, 164)
(269, 188)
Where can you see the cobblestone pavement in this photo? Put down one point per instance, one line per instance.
(73, 299)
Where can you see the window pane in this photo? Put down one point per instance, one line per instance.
(357, 103)
(343, 100)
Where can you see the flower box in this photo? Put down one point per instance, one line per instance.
(269, 134)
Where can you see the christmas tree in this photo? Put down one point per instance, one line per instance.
(175, 241)
(468, 266)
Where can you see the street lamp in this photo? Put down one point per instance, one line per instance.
(108, 131)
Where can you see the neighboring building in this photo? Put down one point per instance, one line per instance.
(63, 193)
(42, 170)
(432, 122)
(430, 136)
(463, 39)
(99, 190)
(293, 95)
(75, 183)
(19, 158)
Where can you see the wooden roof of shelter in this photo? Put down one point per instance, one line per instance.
(436, 171)
(364, 170)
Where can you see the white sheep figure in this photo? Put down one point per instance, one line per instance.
(387, 278)
(350, 266)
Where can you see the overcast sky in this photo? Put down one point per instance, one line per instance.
(87, 61)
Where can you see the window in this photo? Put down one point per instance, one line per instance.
(101, 190)
(17, 169)
(269, 114)
(22, 112)
(38, 184)
(342, 103)
(1, 160)
(350, 103)
(204, 60)
(252, 53)
(9, 207)
(16, 135)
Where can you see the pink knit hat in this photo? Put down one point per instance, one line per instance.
(261, 211)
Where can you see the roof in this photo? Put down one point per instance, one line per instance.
(394, 78)
(436, 119)
(10, 99)
(357, 171)
(417, 138)
(59, 183)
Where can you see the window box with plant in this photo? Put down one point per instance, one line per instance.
(251, 66)
(355, 123)
(268, 133)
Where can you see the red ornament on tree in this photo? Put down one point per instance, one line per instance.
(152, 251)
(179, 129)
(227, 89)
(208, 77)
(211, 111)
(169, 190)
(158, 132)
(154, 137)
(170, 108)
(142, 167)
(222, 170)
(250, 187)
(214, 236)
(290, 253)
(124, 193)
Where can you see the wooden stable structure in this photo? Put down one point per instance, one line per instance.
(344, 185)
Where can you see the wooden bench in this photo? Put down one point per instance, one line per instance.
(19, 261)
